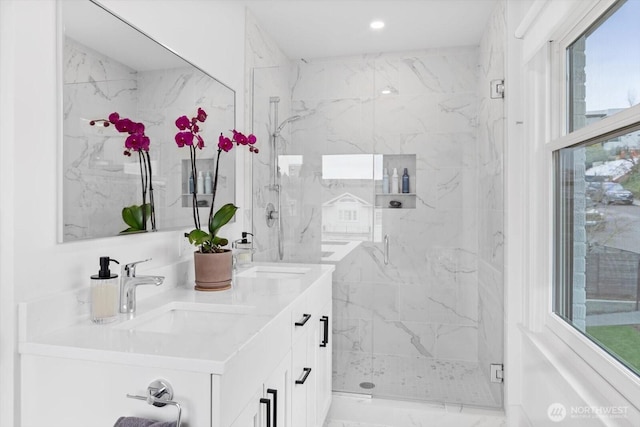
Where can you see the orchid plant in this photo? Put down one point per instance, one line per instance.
(189, 136)
(135, 216)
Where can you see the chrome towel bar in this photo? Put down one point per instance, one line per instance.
(159, 393)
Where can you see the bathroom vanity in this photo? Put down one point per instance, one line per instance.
(256, 355)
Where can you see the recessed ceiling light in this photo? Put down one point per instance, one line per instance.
(376, 25)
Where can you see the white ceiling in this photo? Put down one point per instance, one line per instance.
(326, 28)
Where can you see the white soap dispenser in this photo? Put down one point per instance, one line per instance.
(394, 181)
(104, 293)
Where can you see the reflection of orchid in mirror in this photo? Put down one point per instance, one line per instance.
(135, 216)
(189, 136)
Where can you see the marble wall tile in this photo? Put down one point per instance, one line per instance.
(403, 338)
(457, 342)
(430, 71)
(308, 81)
(365, 300)
(83, 64)
(348, 333)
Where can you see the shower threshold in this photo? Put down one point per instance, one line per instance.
(361, 411)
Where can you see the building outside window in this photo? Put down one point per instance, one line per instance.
(597, 186)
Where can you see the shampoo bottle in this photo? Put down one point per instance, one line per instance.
(208, 189)
(394, 181)
(104, 293)
(191, 185)
(385, 181)
(200, 183)
(405, 181)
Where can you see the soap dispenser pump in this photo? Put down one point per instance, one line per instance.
(243, 250)
(104, 293)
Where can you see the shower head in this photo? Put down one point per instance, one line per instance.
(290, 119)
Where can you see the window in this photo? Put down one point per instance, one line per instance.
(604, 66)
(597, 188)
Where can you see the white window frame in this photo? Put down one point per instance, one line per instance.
(603, 364)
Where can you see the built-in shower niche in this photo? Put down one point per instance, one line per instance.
(399, 162)
(204, 197)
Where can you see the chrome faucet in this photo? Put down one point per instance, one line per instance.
(128, 283)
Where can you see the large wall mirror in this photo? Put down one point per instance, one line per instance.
(110, 66)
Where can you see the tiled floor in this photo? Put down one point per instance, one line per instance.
(414, 378)
(348, 411)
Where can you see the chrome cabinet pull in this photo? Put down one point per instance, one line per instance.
(386, 249)
(302, 380)
(305, 318)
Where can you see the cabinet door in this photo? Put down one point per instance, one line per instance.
(324, 372)
(303, 402)
(252, 415)
(68, 392)
(277, 389)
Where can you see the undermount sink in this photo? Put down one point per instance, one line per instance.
(181, 317)
(274, 272)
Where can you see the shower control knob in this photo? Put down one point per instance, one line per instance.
(271, 214)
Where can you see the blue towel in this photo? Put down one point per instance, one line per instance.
(142, 422)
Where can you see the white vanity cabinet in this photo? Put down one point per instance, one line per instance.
(67, 392)
(273, 373)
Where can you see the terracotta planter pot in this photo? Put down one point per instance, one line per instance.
(213, 271)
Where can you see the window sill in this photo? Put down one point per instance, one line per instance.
(603, 366)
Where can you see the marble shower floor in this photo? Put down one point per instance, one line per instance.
(412, 378)
(349, 411)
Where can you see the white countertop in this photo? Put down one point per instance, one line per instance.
(216, 326)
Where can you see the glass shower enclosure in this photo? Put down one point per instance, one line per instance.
(407, 313)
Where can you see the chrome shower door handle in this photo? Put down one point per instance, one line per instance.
(386, 249)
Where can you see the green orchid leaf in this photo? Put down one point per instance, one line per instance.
(132, 216)
(222, 217)
(198, 237)
(220, 241)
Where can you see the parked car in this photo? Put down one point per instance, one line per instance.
(616, 193)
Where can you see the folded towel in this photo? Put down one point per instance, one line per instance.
(142, 422)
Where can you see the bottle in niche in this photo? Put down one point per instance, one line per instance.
(405, 181)
(200, 183)
(208, 184)
(385, 181)
(191, 185)
(394, 181)
(104, 293)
